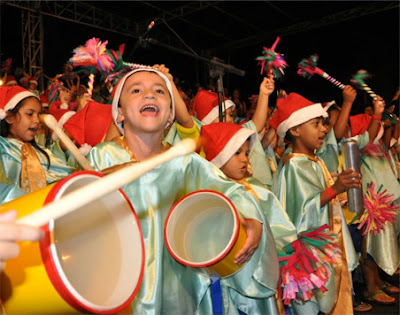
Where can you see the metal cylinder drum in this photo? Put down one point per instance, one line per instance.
(351, 159)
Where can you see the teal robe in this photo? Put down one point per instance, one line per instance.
(298, 186)
(169, 287)
(10, 168)
(383, 247)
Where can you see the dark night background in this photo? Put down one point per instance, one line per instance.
(368, 42)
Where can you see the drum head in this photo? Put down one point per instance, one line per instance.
(95, 255)
(201, 228)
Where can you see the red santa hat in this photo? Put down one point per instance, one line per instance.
(205, 105)
(10, 81)
(327, 105)
(62, 116)
(222, 140)
(10, 96)
(292, 111)
(90, 125)
(33, 80)
(359, 124)
(118, 89)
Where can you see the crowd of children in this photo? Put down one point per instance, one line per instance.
(282, 170)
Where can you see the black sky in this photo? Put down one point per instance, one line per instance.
(370, 42)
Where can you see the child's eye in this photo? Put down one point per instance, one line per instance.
(159, 91)
(134, 91)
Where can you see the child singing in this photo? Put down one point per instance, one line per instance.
(24, 165)
(143, 106)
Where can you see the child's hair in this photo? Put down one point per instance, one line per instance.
(5, 128)
(289, 138)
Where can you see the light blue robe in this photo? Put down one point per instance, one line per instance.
(169, 287)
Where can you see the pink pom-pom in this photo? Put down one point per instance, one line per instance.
(378, 210)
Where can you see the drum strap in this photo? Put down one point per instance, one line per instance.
(216, 294)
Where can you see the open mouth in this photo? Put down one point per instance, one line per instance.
(149, 108)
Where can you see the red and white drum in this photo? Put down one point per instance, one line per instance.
(203, 230)
(91, 260)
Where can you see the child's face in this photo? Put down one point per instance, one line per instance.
(65, 96)
(145, 103)
(331, 120)
(228, 116)
(25, 124)
(32, 86)
(310, 135)
(236, 167)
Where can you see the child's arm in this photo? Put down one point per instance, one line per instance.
(267, 86)
(379, 107)
(181, 113)
(387, 135)
(268, 138)
(349, 95)
(347, 179)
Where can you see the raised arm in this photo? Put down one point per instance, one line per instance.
(267, 86)
(349, 95)
(181, 113)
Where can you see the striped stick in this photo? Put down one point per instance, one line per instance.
(369, 91)
(358, 80)
(90, 84)
(326, 76)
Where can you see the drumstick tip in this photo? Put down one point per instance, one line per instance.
(50, 121)
(186, 146)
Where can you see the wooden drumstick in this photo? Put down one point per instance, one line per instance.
(51, 122)
(104, 185)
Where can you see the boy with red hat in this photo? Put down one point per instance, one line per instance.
(308, 193)
(206, 108)
(143, 106)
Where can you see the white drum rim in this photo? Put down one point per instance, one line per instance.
(77, 300)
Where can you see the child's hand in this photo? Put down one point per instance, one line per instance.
(267, 86)
(253, 230)
(162, 68)
(379, 106)
(347, 179)
(10, 232)
(84, 99)
(349, 94)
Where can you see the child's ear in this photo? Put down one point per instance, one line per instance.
(120, 117)
(9, 118)
(294, 131)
